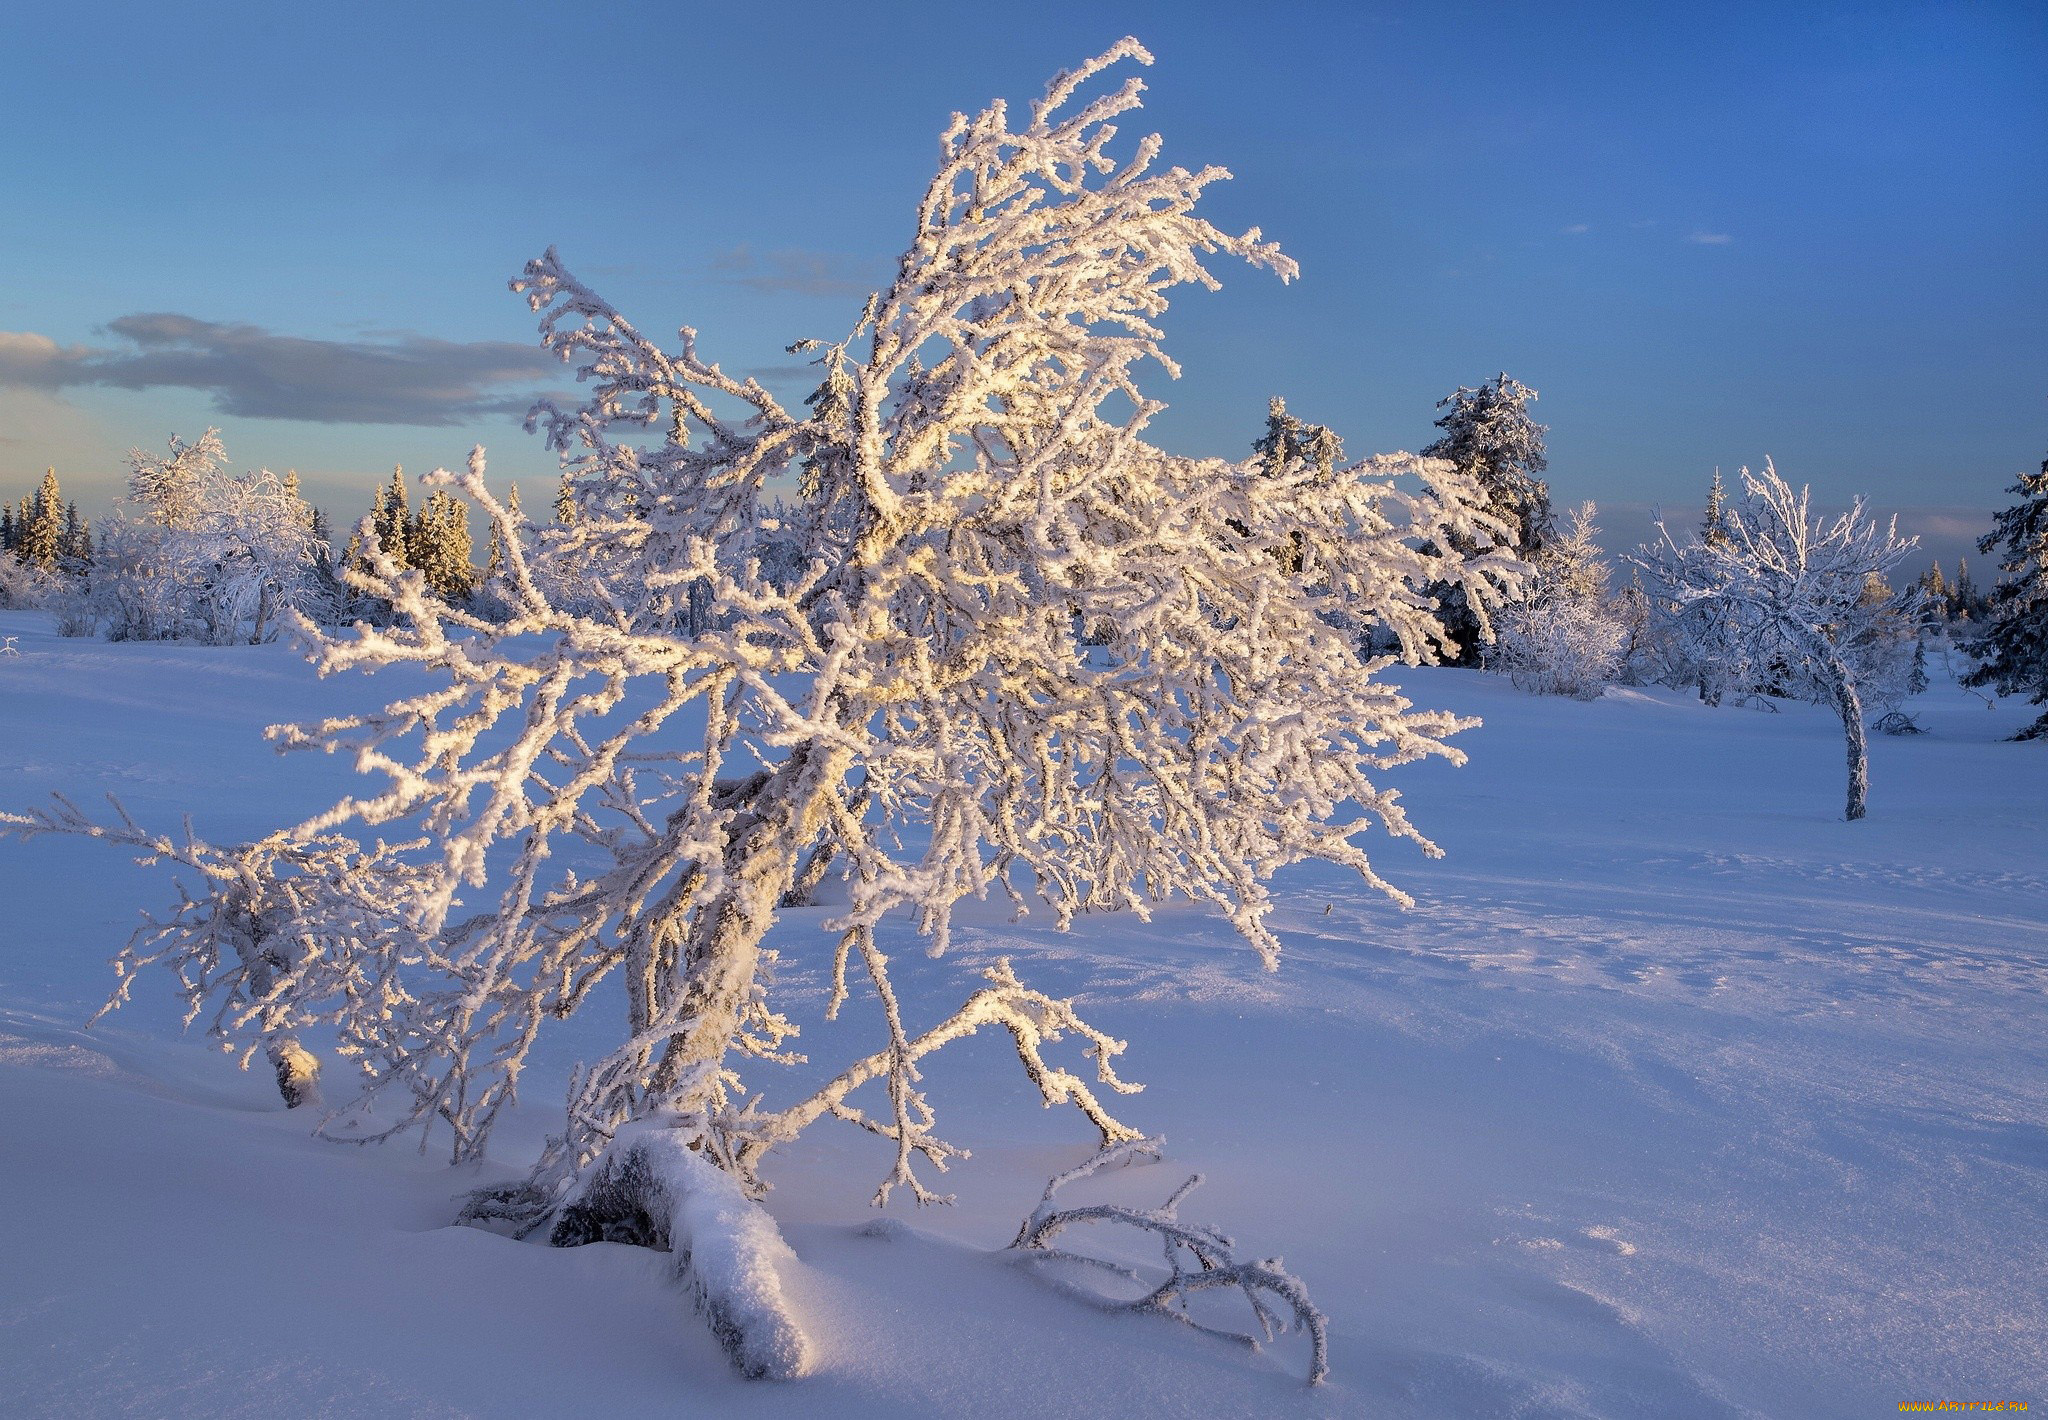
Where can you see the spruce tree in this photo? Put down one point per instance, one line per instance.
(1964, 600)
(1934, 590)
(39, 542)
(391, 520)
(494, 557)
(74, 546)
(1714, 527)
(1287, 443)
(440, 545)
(1489, 435)
(2012, 651)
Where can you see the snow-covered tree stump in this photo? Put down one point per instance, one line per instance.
(298, 1071)
(652, 1189)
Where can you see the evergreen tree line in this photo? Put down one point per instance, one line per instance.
(183, 554)
(435, 540)
(1958, 601)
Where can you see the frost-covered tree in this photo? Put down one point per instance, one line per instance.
(391, 519)
(609, 786)
(2011, 646)
(168, 491)
(141, 588)
(202, 553)
(1566, 637)
(23, 584)
(1489, 435)
(1785, 586)
(250, 557)
(1290, 443)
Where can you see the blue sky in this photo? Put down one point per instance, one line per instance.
(1706, 234)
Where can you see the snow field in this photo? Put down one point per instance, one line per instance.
(1675, 1096)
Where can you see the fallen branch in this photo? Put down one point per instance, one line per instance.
(1198, 1258)
(652, 1189)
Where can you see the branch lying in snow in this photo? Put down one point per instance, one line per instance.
(1212, 1255)
(652, 1188)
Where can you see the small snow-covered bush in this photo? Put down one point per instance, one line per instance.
(201, 554)
(1568, 638)
(24, 585)
(1554, 646)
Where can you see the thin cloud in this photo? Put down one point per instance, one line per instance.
(796, 271)
(1577, 229)
(806, 376)
(255, 373)
(1710, 239)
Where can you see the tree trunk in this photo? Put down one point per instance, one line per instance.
(1842, 689)
(712, 983)
(262, 615)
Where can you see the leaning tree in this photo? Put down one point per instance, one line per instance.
(1783, 584)
(1025, 652)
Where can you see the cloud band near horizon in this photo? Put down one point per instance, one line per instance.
(255, 373)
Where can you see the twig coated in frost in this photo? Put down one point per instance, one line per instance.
(1198, 1258)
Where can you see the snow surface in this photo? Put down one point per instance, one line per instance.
(1675, 1096)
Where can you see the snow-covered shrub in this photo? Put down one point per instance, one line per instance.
(1784, 591)
(25, 585)
(130, 593)
(1567, 637)
(200, 553)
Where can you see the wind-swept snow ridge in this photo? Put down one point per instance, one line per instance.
(650, 1187)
